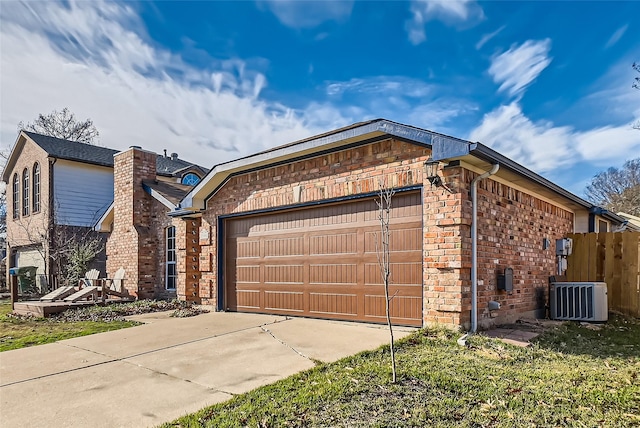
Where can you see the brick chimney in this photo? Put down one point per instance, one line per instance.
(131, 243)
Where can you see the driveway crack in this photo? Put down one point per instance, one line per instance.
(266, 330)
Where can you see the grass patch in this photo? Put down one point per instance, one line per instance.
(21, 332)
(571, 376)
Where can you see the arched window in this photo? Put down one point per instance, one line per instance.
(36, 187)
(25, 192)
(190, 179)
(16, 196)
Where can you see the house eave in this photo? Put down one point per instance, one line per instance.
(159, 197)
(195, 200)
(104, 222)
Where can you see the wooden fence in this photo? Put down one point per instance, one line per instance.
(613, 258)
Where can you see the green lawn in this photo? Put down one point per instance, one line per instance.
(20, 332)
(573, 376)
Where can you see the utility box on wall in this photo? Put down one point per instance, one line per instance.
(505, 282)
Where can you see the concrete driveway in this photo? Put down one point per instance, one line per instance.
(154, 373)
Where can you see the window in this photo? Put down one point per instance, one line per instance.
(190, 179)
(25, 192)
(16, 196)
(36, 187)
(171, 275)
(602, 226)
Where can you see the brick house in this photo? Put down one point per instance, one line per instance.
(293, 230)
(56, 185)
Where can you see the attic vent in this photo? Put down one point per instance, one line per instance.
(174, 156)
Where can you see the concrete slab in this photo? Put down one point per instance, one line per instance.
(29, 363)
(329, 341)
(228, 363)
(512, 336)
(146, 375)
(116, 394)
(168, 332)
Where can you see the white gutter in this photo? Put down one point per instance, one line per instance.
(474, 246)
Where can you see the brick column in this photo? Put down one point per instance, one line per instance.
(131, 244)
(188, 253)
(446, 271)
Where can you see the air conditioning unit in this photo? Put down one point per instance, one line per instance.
(579, 301)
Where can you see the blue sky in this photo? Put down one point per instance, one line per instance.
(545, 83)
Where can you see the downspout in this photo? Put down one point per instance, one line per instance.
(474, 246)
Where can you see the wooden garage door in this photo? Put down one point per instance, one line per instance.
(322, 262)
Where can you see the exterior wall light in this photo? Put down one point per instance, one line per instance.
(431, 172)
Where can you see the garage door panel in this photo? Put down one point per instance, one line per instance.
(333, 304)
(402, 238)
(333, 243)
(284, 247)
(248, 274)
(323, 262)
(401, 307)
(248, 299)
(285, 273)
(401, 273)
(339, 273)
(247, 248)
(284, 300)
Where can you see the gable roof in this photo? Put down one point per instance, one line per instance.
(444, 148)
(95, 155)
(73, 150)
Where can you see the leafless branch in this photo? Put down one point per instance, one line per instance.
(383, 253)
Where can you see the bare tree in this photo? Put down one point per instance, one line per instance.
(66, 251)
(385, 196)
(617, 190)
(63, 124)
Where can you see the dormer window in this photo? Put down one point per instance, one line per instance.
(190, 179)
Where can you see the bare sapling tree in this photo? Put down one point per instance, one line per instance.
(383, 251)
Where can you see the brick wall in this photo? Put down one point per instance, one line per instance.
(445, 228)
(159, 222)
(344, 173)
(503, 212)
(188, 252)
(511, 227)
(132, 243)
(29, 230)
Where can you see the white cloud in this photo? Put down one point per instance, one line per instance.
(516, 68)
(616, 36)
(486, 37)
(93, 58)
(381, 86)
(451, 12)
(402, 99)
(308, 14)
(540, 146)
(609, 143)
(543, 147)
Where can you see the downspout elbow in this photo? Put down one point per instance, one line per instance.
(493, 170)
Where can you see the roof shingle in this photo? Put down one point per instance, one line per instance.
(96, 155)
